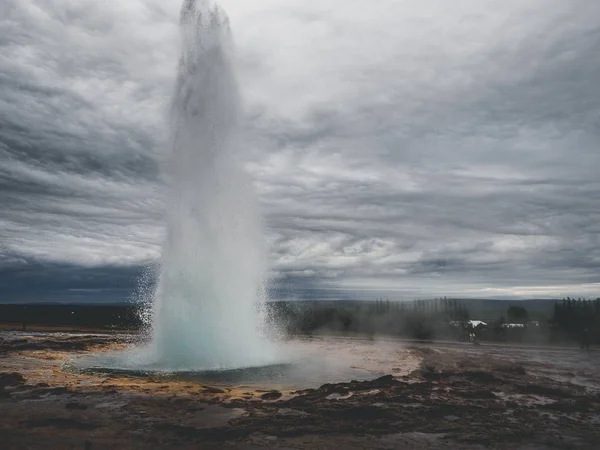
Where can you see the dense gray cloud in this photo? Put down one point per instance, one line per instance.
(416, 148)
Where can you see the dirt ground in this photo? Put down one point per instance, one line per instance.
(434, 396)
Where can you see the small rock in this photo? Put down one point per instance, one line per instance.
(11, 379)
(271, 438)
(271, 395)
(212, 390)
(384, 381)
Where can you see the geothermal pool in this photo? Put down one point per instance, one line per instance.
(311, 362)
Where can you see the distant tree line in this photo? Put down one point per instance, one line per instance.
(421, 319)
(571, 320)
(440, 318)
(577, 319)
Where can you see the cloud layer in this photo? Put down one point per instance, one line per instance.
(422, 148)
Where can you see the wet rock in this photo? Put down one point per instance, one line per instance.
(432, 374)
(384, 381)
(475, 394)
(564, 407)
(77, 406)
(212, 390)
(402, 398)
(194, 409)
(271, 395)
(291, 412)
(480, 376)
(546, 391)
(300, 401)
(11, 379)
(339, 388)
(304, 391)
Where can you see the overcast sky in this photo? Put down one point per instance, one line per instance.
(425, 148)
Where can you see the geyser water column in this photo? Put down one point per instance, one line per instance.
(207, 301)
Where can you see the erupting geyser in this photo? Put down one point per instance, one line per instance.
(206, 306)
(208, 296)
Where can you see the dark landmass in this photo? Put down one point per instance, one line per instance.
(71, 316)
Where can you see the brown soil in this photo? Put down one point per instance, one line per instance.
(459, 397)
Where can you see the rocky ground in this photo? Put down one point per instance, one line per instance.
(436, 396)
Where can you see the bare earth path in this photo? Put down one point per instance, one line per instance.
(435, 396)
